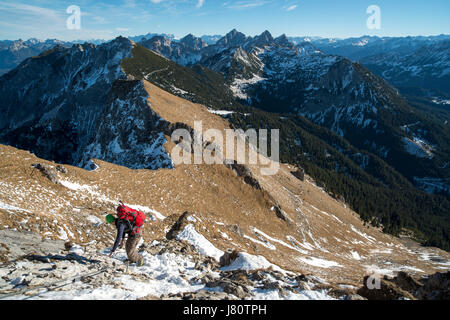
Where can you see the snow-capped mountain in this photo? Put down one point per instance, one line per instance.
(410, 63)
(67, 94)
(356, 49)
(151, 35)
(185, 51)
(330, 90)
(426, 67)
(276, 75)
(211, 39)
(14, 52)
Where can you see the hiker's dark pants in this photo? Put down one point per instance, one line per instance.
(131, 248)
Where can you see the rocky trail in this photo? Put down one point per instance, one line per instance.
(173, 269)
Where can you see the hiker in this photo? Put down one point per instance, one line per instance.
(129, 222)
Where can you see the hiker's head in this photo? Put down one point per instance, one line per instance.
(110, 218)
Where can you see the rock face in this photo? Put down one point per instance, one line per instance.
(14, 245)
(129, 132)
(76, 104)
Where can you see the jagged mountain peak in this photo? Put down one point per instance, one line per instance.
(232, 39)
(266, 35)
(120, 40)
(264, 39)
(283, 41)
(193, 42)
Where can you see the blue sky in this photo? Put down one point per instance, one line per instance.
(326, 18)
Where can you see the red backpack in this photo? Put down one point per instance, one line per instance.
(136, 217)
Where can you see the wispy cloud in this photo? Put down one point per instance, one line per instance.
(26, 10)
(200, 3)
(290, 8)
(245, 4)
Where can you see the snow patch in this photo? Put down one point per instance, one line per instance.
(321, 263)
(202, 244)
(246, 261)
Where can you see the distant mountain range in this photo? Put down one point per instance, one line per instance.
(301, 76)
(409, 63)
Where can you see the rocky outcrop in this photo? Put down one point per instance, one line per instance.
(404, 286)
(387, 291)
(48, 171)
(299, 173)
(243, 171)
(406, 282)
(178, 225)
(228, 257)
(435, 287)
(15, 245)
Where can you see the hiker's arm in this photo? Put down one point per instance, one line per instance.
(119, 237)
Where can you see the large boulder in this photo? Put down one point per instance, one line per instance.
(178, 225)
(386, 291)
(436, 287)
(299, 173)
(406, 282)
(228, 257)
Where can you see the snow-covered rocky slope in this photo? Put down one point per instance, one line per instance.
(172, 270)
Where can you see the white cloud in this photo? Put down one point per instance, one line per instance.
(29, 10)
(291, 8)
(245, 4)
(200, 3)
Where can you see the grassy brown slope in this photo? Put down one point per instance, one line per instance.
(226, 208)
